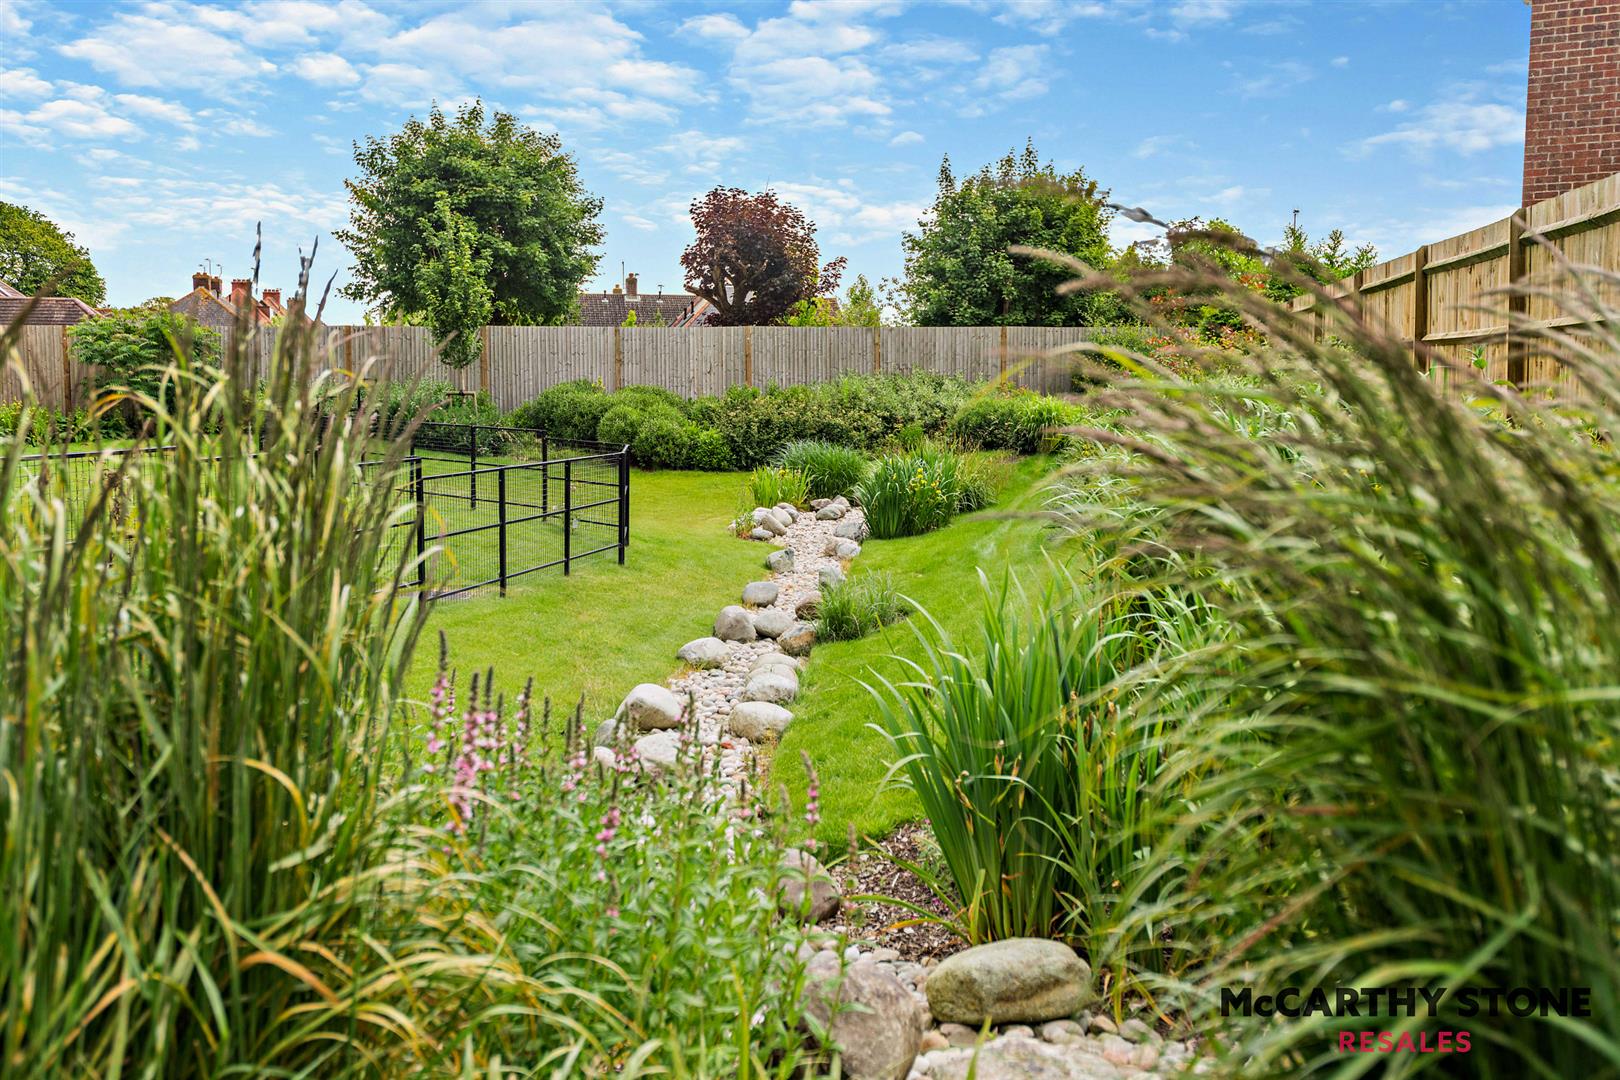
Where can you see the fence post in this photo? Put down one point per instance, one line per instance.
(624, 501)
(545, 474)
(473, 495)
(568, 513)
(483, 360)
(877, 350)
(748, 356)
(67, 375)
(1420, 307)
(421, 523)
(1516, 300)
(1003, 354)
(500, 489)
(618, 358)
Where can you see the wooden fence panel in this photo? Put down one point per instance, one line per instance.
(1453, 294)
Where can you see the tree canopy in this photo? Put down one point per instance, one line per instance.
(959, 270)
(861, 307)
(34, 250)
(755, 257)
(458, 222)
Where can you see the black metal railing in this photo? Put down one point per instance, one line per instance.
(474, 523)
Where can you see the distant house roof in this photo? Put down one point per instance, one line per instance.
(209, 305)
(48, 311)
(696, 314)
(612, 308)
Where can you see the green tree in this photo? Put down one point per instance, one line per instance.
(959, 270)
(1327, 260)
(132, 347)
(453, 279)
(528, 226)
(34, 250)
(859, 308)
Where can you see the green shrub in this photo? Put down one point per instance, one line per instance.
(1010, 418)
(978, 481)
(619, 425)
(135, 348)
(50, 427)
(711, 452)
(396, 404)
(910, 494)
(768, 486)
(858, 606)
(567, 411)
(829, 470)
(665, 440)
(651, 398)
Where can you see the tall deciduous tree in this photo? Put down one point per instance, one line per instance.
(34, 250)
(452, 199)
(754, 258)
(959, 270)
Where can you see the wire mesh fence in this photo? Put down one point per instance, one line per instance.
(480, 520)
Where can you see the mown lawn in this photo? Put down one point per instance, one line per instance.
(939, 571)
(607, 627)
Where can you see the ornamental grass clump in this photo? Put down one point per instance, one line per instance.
(200, 862)
(1033, 763)
(859, 606)
(1410, 778)
(769, 486)
(919, 491)
(829, 470)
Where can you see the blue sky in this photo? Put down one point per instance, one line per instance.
(160, 132)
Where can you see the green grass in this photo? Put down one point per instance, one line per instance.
(607, 627)
(834, 713)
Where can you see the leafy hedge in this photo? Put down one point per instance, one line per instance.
(1012, 419)
(747, 427)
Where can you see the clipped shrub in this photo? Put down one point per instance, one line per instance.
(858, 606)
(46, 426)
(1011, 418)
(711, 452)
(829, 470)
(768, 486)
(570, 410)
(650, 398)
(619, 425)
(664, 441)
(135, 348)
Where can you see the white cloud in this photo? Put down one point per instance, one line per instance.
(325, 69)
(71, 117)
(1275, 79)
(813, 66)
(156, 109)
(907, 138)
(1203, 11)
(1050, 16)
(1461, 125)
(1397, 106)
(22, 83)
(843, 216)
(146, 49)
(1340, 61)
(1154, 145)
(1012, 72)
(636, 221)
(722, 27)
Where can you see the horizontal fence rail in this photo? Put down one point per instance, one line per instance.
(531, 504)
(519, 362)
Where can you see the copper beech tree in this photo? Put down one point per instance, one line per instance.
(754, 258)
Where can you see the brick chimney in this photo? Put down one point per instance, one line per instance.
(272, 299)
(241, 291)
(630, 285)
(1572, 106)
(199, 280)
(214, 285)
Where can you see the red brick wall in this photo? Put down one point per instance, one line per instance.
(1572, 109)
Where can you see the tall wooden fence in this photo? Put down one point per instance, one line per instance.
(518, 362)
(1450, 295)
